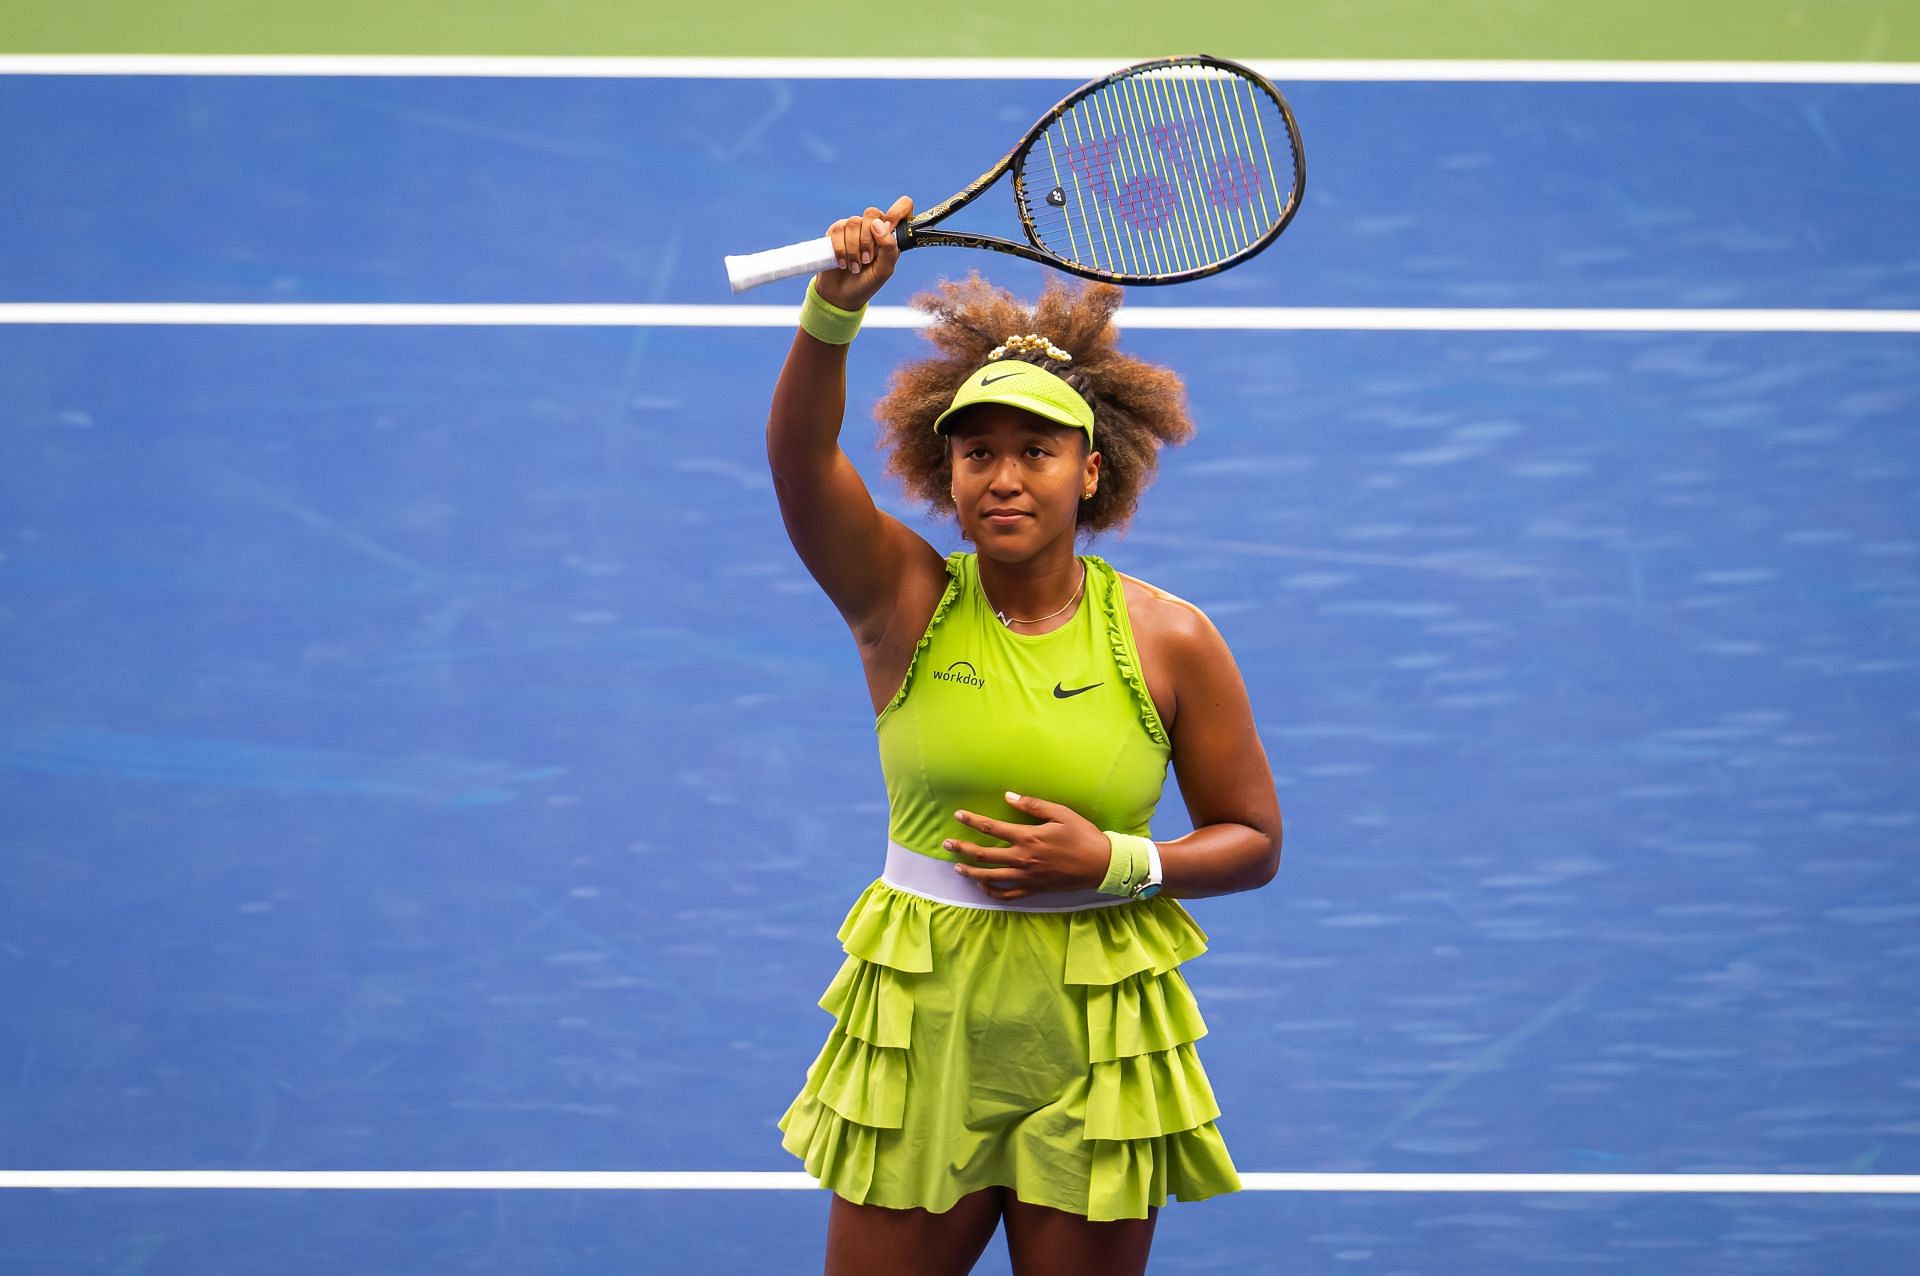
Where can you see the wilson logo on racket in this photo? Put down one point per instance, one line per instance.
(1181, 166)
(1161, 172)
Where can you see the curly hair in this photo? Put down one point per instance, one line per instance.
(1138, 407)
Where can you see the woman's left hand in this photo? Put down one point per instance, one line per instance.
(1065, 852)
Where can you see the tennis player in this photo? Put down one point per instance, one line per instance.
(1012, 1036)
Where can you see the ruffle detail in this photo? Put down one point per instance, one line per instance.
(838, 1152)
(860, 1081)
(857, 1086)
(889, 927)
(1106, 945)
(872, 1002)
(1144, 1108)
(1150, 1109)
(1139, 1015)
(1130, 1176)
(1125, 659)
(926, 635)
(1146, 1095)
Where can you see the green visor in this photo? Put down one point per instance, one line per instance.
(1026, 386)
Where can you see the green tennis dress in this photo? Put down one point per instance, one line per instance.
(1044, 1044)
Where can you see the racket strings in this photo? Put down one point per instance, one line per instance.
(1163, 172)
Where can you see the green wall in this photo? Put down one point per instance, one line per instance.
(1767, 30)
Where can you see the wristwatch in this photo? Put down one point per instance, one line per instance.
(1150, 885)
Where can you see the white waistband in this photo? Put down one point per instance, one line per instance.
(935, 879)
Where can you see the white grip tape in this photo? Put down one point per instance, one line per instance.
(754, 269)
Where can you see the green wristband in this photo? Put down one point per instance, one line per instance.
(1128, 867)
(824, 321)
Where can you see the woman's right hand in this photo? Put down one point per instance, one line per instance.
(867, 250)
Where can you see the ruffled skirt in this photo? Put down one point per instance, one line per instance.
(1050, 1053)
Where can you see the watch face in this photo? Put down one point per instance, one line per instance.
(1147, 891)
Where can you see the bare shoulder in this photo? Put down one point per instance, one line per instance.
(1182, 654)
(1166, 621)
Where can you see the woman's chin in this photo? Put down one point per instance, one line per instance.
(1012, 544)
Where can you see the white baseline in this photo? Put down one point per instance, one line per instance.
(1075, 69)
(752, 1181)
(1143, 317)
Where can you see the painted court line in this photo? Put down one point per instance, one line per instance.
(949, 68)
(690, 1180)
(1237, 318)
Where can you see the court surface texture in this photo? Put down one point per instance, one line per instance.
(421, 752)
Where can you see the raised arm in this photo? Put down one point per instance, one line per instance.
(868, 562)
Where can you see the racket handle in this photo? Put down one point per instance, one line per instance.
(754, 269)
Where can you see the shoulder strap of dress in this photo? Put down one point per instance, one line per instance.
(956, 576)
(1111, 596)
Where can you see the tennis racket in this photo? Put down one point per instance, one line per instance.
(1161, 172)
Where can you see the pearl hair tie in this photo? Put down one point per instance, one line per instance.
(1032, 343)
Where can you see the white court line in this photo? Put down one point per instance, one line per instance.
(750, 1181)
(1239, 318)
(1490, 70)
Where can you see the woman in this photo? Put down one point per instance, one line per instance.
(1012, 1036)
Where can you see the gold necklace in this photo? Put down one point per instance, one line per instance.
(1009, 622)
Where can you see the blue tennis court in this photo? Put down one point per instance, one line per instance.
(420, 748)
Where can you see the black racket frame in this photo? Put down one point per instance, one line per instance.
(917, 233)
